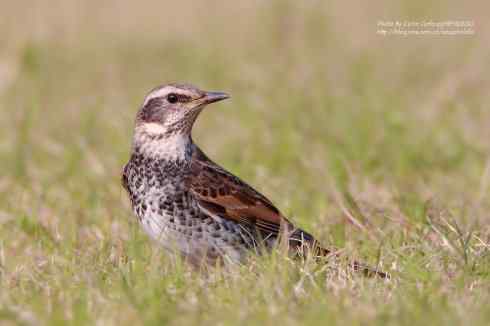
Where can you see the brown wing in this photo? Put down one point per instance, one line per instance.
(225, 195)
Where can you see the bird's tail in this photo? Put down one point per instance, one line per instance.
(305, 243)
(355, 265)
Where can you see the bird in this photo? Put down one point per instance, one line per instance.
(192, 206)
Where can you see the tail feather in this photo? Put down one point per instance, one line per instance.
(355, 265)
(300, 238)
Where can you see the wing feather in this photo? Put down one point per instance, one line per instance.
(225, 195)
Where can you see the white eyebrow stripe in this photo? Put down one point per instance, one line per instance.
(162, 92)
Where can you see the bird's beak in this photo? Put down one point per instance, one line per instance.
(211, 97)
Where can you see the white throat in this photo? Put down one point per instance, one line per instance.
(150, 140)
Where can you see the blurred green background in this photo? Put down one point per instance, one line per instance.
(376, 144)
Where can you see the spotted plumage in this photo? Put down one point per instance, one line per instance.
(188, 203)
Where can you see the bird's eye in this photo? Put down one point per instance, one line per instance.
(172, 98)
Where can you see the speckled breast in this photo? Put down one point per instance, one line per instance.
(169, 214)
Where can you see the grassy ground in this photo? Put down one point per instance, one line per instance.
(379, 145)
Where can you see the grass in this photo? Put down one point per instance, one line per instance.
(378, 145)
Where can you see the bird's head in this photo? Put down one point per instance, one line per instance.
(171, 110)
